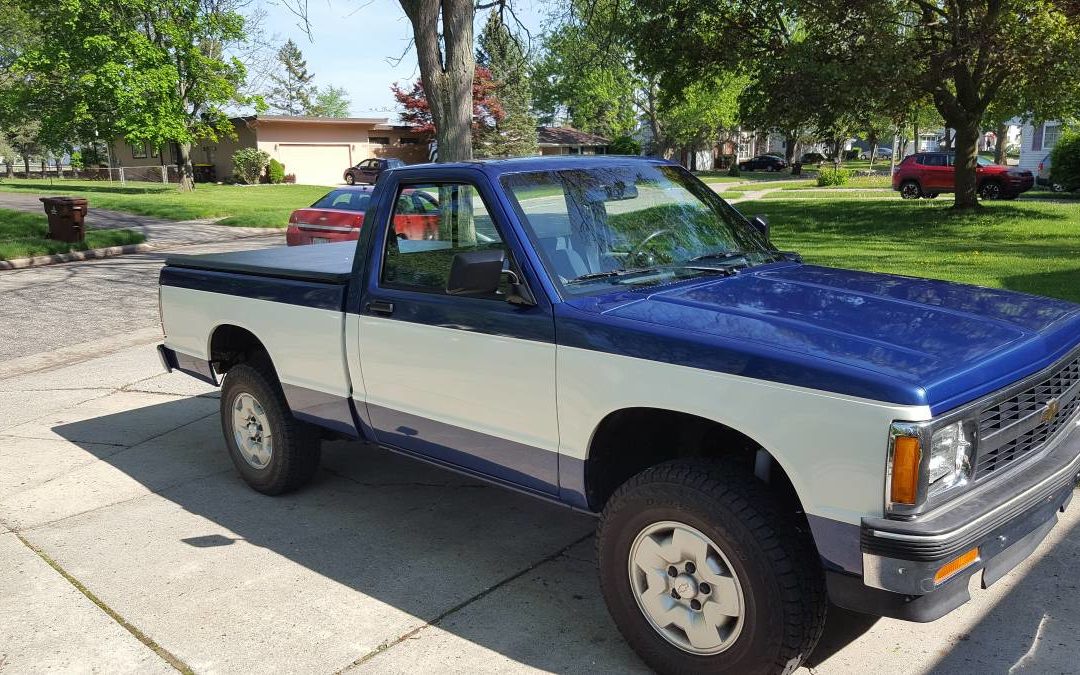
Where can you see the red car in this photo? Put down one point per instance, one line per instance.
(339, 215)
(927, 174)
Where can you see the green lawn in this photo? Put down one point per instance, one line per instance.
(1026, 246)
(23, 235)
(238, 205)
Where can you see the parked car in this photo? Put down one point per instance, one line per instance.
(757, 436)
(369, 170)
(928, 174)
(884, 153)
(813, 158)
(763, 163)
(1043, 176)
(339, 215)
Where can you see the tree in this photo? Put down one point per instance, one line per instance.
(330, 101)
(152, 71)
(25, 140)
(502, 54)
(701, 112)
(292, 92)
(417, 111)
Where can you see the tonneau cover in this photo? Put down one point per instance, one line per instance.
(327, 263)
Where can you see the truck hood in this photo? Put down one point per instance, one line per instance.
(891, 338)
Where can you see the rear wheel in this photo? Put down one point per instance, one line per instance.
(910, 190)
(990, 190)
(273, 451)
(702, 573)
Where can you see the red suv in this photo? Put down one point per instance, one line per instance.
(927, 174)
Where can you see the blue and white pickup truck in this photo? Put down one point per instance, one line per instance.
(757, 435)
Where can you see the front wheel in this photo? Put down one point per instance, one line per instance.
(703, 573)
(990, 190)
(273, 451)
(350, 179)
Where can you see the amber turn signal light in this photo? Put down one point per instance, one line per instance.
(905, 470)
(953, 567)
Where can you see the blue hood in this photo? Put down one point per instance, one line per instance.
(898, 339)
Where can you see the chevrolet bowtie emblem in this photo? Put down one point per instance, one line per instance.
(1051, 410)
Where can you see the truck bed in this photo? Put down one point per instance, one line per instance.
(323, 263)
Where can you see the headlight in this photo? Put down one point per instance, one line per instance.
(950, 457)
(926, 460)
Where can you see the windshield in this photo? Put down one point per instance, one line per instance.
(984, 161)
(631, 225)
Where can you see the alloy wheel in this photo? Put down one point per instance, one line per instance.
(251, 431)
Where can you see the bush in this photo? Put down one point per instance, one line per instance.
(832, 177)
(733, 170)
(854, 153)
(290, 178)
(275, 172)
(249, 163)
(625, 145)
(1065, 161)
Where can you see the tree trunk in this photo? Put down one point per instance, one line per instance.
(1002, 134)
(10, 169)
(184, 168)
(447, 77)
(949, 139)
(26, 166)
(872, 139)
(915, 146)
(789, 147)
(967, 153)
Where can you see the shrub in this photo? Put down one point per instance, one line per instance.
(831, 177)
(1065, 161)
(249, 163)
(625, 145)
(854, 153)
(290, 178)
(275, 172)
(733, 170)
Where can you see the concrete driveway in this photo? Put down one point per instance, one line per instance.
(128, 543)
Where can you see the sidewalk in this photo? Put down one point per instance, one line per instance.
(160, 233)
(116, 485)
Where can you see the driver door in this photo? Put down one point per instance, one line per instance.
(465, 381)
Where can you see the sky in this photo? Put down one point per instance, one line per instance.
(355, 44)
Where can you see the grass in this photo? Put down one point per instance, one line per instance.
(1032, 247)
(237, 205)
(22, 235)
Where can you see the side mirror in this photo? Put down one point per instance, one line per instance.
(476, 273)
(761, 224)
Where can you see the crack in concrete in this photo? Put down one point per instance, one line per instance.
(142, 637)
(390, 644)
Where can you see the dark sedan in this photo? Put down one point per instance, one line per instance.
(763, 163)
(369, 170)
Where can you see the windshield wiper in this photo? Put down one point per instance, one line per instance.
(720, 256)
(610, 273)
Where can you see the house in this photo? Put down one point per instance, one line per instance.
(1036, 142)
(569, 141)
(316, 150)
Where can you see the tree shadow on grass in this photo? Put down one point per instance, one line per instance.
(1061, 283)
(104, 188)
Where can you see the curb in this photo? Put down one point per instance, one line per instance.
(114, 251)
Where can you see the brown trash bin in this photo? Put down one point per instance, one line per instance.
(67, 216)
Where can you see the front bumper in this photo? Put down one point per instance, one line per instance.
(1005, 520)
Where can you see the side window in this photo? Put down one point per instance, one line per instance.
(934, 160)
(430, 225)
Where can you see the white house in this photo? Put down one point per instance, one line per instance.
(1036, 142)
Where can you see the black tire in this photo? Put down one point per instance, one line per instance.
(910, 189)
(931, 195)
(773, 559)
(991, 189)
(296, 446)
(350, 179)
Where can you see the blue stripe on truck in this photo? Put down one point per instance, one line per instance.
(289, 291)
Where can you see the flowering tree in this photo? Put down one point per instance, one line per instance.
(487, 112)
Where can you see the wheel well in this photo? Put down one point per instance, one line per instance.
(230, 345)
(631, 440)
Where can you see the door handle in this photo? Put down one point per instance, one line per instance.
(380, 307)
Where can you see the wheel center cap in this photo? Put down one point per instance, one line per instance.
(685, 586)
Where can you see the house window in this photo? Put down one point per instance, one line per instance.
(138, 151)
(379, 140)
(409, 141)
(1050, 136)
(154, 152)
(744, 146)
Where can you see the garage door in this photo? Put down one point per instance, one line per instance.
(315, 164)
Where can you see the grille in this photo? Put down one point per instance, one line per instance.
(1012, 429)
